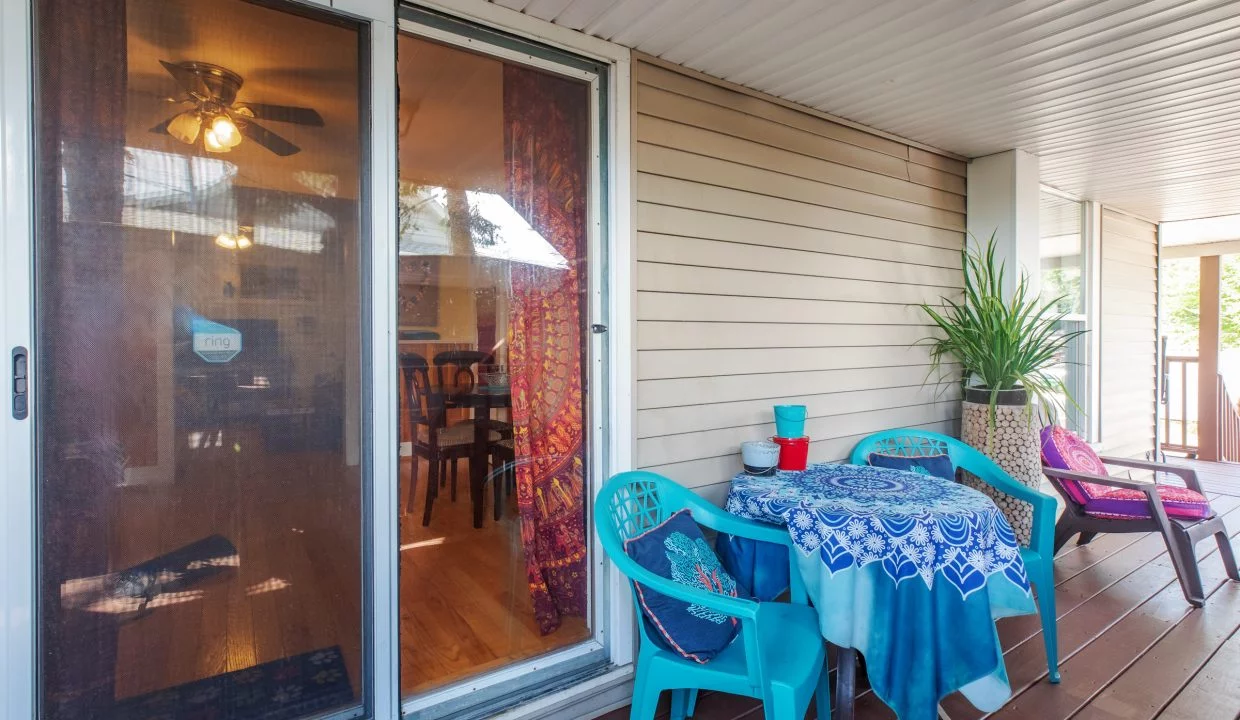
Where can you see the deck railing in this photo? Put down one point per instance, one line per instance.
(1228, 425)
(1180, 418)
(1179, 427)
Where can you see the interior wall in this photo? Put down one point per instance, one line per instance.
(779, 257)
(455, 316)
(1129, 333)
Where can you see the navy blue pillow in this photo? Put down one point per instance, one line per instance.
(677, 550)
(940, 465)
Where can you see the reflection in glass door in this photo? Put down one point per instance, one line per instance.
(198, 257)
(495, 170)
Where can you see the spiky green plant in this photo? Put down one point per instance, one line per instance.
(1001, 344)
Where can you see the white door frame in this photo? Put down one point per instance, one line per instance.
(17, 509)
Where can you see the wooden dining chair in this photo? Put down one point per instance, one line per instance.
(431, 437)
(503, 472)
(456, 374)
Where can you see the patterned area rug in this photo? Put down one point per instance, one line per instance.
(290, 688)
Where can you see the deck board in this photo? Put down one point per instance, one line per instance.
(1214, 690)
(1216, 477)
(1131, 648)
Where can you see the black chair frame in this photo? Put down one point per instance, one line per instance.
(1180, 535)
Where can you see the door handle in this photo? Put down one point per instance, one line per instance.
(21, 383)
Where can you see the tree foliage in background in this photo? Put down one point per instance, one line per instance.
(1181, 280)
(410, 214)
(1063, 286)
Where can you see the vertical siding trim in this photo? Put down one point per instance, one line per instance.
(1128, 326)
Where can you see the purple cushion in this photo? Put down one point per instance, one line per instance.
(1063, 450)
(1126, 504)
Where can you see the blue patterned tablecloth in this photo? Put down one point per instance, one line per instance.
(911, 570)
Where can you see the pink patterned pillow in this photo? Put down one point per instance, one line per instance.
(1063, 450)
(1126, 504)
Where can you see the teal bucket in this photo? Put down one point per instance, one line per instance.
(790, 421)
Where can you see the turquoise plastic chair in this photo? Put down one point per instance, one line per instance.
(1040, 553)
(778, 656)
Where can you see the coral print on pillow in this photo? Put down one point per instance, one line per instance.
(677, 550)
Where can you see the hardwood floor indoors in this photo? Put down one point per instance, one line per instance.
(464, 603)
(293, 586)
(464, 609)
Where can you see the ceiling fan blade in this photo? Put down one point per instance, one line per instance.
(284, 113)
(187, 79)
(268, 139)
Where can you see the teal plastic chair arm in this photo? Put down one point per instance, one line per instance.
(635, 502)
(776, 534)
(724, 522)
(1042, 539)
(1000, 480)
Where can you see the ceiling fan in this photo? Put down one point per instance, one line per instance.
(210, 93)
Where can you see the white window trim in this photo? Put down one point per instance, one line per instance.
(1093, 314)
(1091, 235)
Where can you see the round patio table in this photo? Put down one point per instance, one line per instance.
(910, 570)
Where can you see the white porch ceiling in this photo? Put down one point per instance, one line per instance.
(1132, 103)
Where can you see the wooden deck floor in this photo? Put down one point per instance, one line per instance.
(1131, 648)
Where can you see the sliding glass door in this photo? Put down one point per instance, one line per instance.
(498, 175)
(317, 362)
(200, 200)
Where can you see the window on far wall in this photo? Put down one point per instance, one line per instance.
(1063, 250)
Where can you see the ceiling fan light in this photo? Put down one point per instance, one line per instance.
(243, 242)
(212, 143)
(185, 127)
(226, 241)
(226, 132)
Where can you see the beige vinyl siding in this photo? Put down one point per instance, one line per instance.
(1129, 341)
(779, 256)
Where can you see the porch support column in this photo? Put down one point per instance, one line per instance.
(1003, 198)
(1209, 331)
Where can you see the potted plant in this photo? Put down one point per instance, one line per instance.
(1006, 347)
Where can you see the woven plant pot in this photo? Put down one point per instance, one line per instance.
(1012, 443)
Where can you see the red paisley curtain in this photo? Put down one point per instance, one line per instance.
(546, 145)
